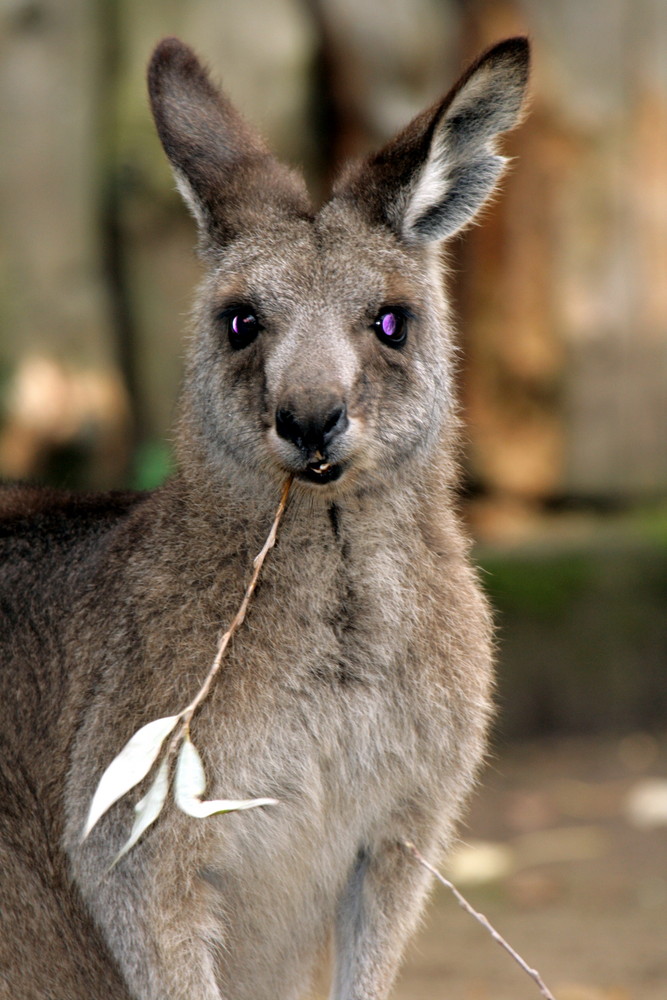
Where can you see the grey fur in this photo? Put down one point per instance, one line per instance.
(357, 692)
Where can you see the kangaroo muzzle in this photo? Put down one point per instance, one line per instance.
(315, 430)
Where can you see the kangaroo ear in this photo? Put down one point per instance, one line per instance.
(228, 178)
(432, 179)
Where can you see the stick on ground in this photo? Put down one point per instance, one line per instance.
(480, 918)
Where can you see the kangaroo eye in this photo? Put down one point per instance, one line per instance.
(391, 327)
(242, 327)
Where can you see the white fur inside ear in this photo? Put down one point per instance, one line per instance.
(448, 195)
(475, 92)
(190, 198)
(431, 187)
(462, 167)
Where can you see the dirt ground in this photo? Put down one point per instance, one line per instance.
(565, 852)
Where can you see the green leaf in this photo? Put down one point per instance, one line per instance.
(190, 785)
(130, 766)
(148, 809)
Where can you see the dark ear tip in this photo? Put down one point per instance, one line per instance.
(515, 50)
(170, 49)
(168, 55)
(518, 44)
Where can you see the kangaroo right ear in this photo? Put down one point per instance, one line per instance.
(432, 179)
(226, 175)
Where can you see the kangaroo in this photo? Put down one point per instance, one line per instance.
(357, 694)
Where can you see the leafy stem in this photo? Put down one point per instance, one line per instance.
(143, 749)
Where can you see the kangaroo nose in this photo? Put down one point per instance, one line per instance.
(312, 432)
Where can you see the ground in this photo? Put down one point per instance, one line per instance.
(565, 852)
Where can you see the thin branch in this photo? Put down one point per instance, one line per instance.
(480, 918)
(142, 750)
(258, 562)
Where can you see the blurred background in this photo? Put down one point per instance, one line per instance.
(561, 299)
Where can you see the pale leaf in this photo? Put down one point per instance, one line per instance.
(130, 766)
(148, 809)
(199, 809)
(190, 785)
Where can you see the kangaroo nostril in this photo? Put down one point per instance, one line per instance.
(336, 423)
(311, 431)
(286, 424)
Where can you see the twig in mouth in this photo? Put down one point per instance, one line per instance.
(258, 562)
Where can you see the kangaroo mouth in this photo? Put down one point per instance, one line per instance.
(321, 472)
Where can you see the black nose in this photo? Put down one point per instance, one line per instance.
(312, 432)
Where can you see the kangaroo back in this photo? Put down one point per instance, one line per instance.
(49, 944)
(357, 692)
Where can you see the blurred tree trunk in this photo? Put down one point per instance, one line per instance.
(63, 398)
(514, 357)
(563, 289)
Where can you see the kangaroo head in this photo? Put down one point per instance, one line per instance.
(322, 344)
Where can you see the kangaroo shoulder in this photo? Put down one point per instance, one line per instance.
(42, 516)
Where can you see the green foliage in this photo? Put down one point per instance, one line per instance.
(152, 464)
(651, 524)
(541, 587)
(581, 625)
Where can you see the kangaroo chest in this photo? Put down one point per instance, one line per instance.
(326, 690)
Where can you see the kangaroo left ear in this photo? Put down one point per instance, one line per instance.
(227, 176)
(432, 179)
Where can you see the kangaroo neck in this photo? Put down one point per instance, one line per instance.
(347, 529)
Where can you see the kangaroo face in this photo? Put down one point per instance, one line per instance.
(322, 345)
(326, 357)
